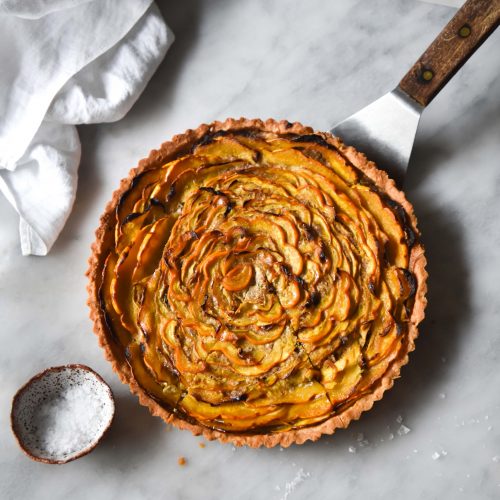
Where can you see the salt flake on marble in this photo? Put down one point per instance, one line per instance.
(436, 455)
(352, 449)
(391, 436)
(496, 459)
(403, 430)
(360, 437)
(399, 419)
(298, 479)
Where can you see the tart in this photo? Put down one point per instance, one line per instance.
(257, 282)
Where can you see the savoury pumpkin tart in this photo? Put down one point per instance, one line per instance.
(257, 282)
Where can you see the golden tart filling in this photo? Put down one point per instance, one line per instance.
(257, 281)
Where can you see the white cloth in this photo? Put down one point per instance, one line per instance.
(65, 62)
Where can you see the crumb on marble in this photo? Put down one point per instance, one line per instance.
(201, 445)
(181, 461)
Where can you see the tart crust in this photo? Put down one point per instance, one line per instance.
(181, 144)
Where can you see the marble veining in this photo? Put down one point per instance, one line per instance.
(436, 434)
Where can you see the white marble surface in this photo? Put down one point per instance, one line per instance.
(315, 61)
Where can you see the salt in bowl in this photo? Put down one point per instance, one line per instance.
(62, 413)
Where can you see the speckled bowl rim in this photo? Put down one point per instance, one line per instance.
(38, 376)
(168, 151)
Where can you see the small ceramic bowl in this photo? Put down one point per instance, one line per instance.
(62, 413)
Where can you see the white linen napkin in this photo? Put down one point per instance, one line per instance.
(65, 62)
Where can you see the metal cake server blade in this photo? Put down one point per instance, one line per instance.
(385, 129)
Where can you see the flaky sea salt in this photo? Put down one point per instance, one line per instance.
(300, 477)
(496, 459)
(352, 449)
(70, 421)
(403, 430)
(399, 419)
(436, 455)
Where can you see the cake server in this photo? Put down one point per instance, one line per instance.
(385, 129)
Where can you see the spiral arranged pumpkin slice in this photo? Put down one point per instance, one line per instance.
(257, 282)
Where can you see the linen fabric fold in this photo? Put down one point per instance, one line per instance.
(65, 62)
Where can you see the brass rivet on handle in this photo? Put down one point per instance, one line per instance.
(427, 75)
(464, 31)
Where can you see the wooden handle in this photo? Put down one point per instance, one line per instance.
(468, 29)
